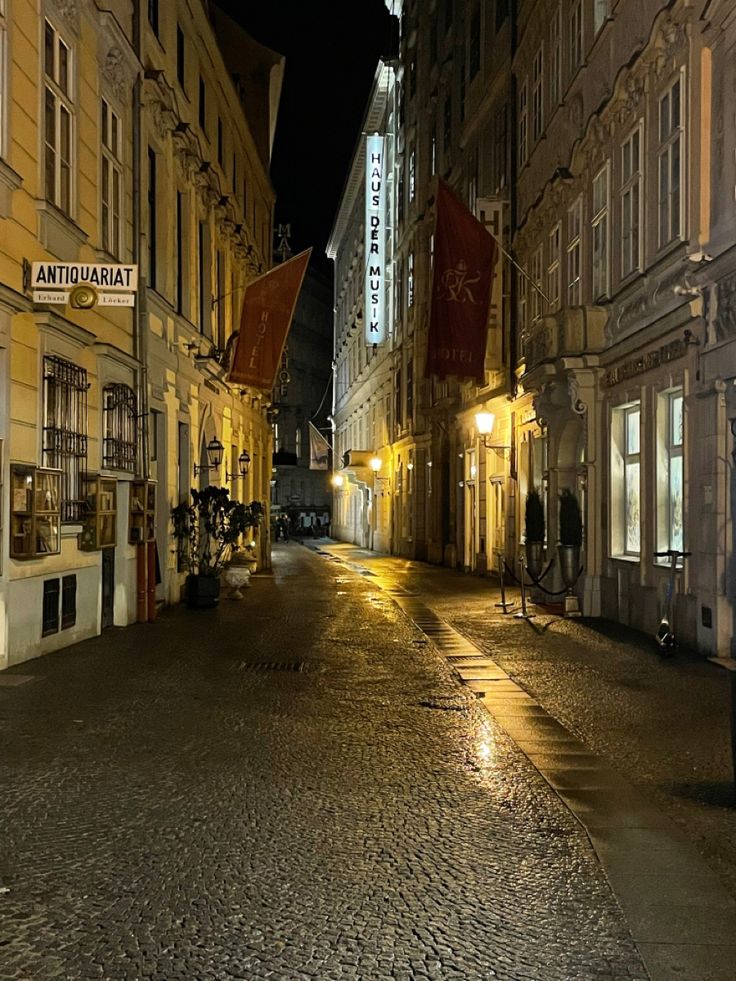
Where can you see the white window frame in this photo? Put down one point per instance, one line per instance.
(410, 280)
(600, 232)
(670, 458)
(538, 94)
(631, 202)
(555, 59)
(523, 123)
(553, 267)
(575, 252)
(625, 456)
(58, 102)
(601, 12)
(412, 174)
(111, 179)
(670, 163)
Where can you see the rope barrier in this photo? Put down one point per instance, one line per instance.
(538, 582)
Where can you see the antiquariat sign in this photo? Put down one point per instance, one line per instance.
(84, 285)
(374, 310)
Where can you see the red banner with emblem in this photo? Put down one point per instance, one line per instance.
(268, 309)
(464, 262)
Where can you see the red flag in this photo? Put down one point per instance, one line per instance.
(464, 260)
(268, 308)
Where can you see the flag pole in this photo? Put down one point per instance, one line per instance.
(523, 271)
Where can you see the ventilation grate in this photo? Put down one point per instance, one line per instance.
(260, 667)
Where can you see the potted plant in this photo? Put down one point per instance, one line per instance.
(208, 531)
(534, 526)
(571, 539)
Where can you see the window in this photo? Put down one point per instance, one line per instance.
(410, 280)
(600, 14)
(669, 164)
(153, 15)
(298, 443)
(523, 124)
(152, 229)
(499, 150)
(180, 51)
(502, 12)
(537, 95)
(179, 252)
(599, 223)
(626, 480)
(112, 181)
(670, 432)
(631, 204)
(553, 267)
(220, 144)
(119, 430)
(447, 136)
(202, 105)
(433, 151)
(574, 253)
(65, 430)
(68, 601)
(555, 59)
(522, 287)
(412, 175)
(50, 614)
(409, 391)
(576, 35)
(58, 120)
(220, 280)
(536, 298)
(475, 40)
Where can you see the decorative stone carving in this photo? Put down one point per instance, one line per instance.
(725, 319)
(573, 387)
(115, 74)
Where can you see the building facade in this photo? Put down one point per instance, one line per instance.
(144, 164)
(594, 140)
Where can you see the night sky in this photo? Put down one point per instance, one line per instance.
(331, 51)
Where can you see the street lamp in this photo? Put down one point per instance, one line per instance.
(243, 466)
(214, 451)
(484, 422)
(337, 480)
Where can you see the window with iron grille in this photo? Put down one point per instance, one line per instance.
(65, 430)
(119, 438)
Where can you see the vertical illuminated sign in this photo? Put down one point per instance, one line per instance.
(374, 315)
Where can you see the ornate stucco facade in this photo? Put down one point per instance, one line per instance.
(595, 138)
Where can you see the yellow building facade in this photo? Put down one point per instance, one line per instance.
(135, 141)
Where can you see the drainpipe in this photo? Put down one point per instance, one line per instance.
(145, 551)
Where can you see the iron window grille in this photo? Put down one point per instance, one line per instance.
(119, 419)
(65, 430)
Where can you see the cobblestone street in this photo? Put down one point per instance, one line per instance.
(294, 786)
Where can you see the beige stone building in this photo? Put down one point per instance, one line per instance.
(595, 139)
(134, 150)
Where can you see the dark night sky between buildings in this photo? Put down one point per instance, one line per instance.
(331, 49)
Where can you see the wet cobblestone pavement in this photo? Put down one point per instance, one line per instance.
(291, 787)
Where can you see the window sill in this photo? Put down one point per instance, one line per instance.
(58, 233)
(629, 559)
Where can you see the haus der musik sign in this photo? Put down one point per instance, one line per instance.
(107, 284)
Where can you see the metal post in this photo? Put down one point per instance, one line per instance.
(503, 604)
(523, 614)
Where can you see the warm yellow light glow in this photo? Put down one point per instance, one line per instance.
(375, 464)
(337, 480)
(410, 466)
(484, 423)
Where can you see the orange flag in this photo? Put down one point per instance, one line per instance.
(268, 308)
(464, 260)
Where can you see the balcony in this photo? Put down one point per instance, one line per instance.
(570, 333)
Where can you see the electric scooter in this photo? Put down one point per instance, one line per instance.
(665, 635)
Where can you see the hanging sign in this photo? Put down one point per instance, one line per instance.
(84, 284)
(374, 312)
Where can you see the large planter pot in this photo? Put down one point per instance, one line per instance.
(236, 576)
(201, 592)
(569, 565)
(534, 558)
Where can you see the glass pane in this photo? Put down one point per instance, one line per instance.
(675, 503)
(47, 535)
(48, 51)
(65, 194)
(664, 114)
(676, 420)
(63, 78)
(105, 118)
(632, 432)
(633, 531)
(107, 529)
(635, 152)
(65, 134)
(675, 117)
(21, 543)
(22, 492)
